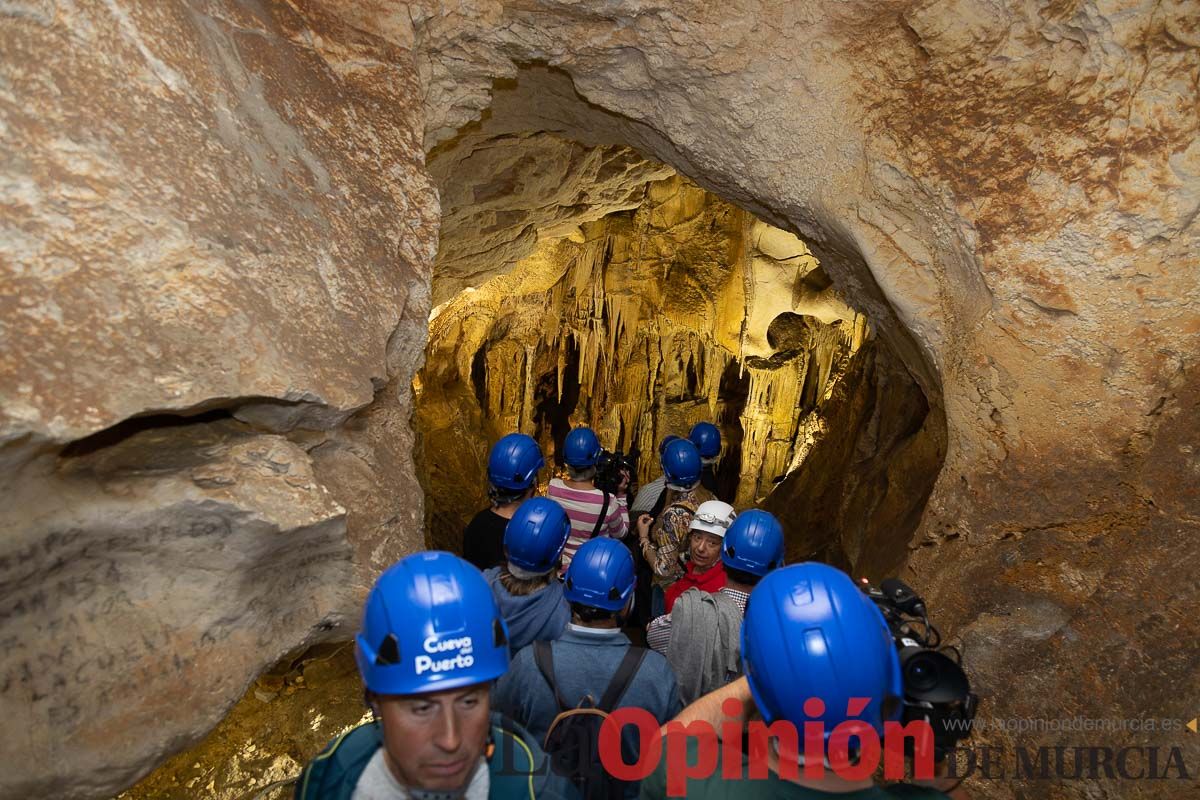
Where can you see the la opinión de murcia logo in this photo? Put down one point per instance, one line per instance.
(853, 750)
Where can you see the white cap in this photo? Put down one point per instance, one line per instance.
(713, 517)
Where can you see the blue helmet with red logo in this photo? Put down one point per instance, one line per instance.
(430, 623)
(810, 632)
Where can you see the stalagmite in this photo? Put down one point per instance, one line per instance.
(525, 424)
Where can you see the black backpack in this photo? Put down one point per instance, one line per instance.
(573, 741)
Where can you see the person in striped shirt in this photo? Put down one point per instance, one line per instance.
(592, 512)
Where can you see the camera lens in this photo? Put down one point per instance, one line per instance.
(921, 673)
(932, 677)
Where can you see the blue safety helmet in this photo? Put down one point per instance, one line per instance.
(681, 464)
(514, 462)
(707, 439)
(534, 537)
(430, 623)
(601, 575)
(582, 448)
(809, 632)
(753, 543)
(666, 440)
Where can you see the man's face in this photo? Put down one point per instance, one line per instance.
(433, 741)
(704, 549)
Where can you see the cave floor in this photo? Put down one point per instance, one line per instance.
(285, 718)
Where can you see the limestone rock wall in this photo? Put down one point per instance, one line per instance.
(216, 237)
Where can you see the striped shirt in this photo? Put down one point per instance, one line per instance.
(648, 495)
(583, 509)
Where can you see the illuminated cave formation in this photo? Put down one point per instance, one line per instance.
(675, 308)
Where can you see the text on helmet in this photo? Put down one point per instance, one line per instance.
(459, 660)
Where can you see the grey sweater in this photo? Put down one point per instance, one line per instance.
(705, 647)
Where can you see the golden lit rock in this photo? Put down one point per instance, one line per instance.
(656, 320)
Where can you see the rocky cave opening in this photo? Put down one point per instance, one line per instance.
(579, 281)
(219, 254)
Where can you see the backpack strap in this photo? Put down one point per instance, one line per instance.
(601, 518)
(622, 678)
(543, 656)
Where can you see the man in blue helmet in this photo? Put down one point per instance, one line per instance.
(707, 438)
(701, 637)
(431, 645)
(809, 633)
(526, 586)
(513, 465)
(592, 655)
(662, 540)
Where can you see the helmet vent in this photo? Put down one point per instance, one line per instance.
(389, 652)
(613, 594)
(498, 635)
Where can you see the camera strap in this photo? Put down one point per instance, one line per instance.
(600, 519)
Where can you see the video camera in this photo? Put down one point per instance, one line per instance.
(609, 466)
(936, 688)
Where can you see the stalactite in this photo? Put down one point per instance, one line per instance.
(770, 421)
(562, 365)
(715, 361)
(646, 364)
(525, 423)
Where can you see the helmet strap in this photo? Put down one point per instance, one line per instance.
(854, 755)
(625, 613)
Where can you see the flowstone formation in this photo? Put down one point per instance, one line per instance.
(639, 324)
